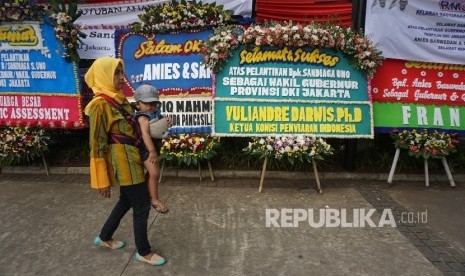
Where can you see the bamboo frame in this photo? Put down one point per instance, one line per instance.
(317, 178)
(210, 169)
(262, 178)
(45, 164)
(162, 170)
(315, 171)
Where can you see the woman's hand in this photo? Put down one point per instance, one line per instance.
(105, 192)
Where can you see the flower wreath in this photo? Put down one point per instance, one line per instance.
(294, 148)
(425, 144)
(20, 144)
(180, 16)
(20, 10)
(189, 148)
(362, 53)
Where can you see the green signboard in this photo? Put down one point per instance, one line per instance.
(291, 90)
(247, 118)
(408, 115)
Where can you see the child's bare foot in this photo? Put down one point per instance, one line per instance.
(159, 207)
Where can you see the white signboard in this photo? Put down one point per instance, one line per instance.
(99, 22)
(239, 7)
(421, 30)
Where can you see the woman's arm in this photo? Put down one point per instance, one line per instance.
(98, 140)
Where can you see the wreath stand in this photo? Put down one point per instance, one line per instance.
(200, 171)
(262, 177)
(45, 164)
(444, 163)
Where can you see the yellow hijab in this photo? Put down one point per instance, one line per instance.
(99, 78)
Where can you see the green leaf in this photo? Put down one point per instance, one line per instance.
(63, 6)
(54, 6)
(291, 160)
(318, 157)
(72, 9)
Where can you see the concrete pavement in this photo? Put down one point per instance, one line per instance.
(220, 228)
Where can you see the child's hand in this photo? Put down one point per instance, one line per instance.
(153, 157)
(170, 122)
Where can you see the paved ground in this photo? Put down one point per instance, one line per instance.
(219, 228)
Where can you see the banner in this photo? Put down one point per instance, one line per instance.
(422, 30)
(100, 21)
(418, 95)
(238, 7)
(171, 63)
(37, 85)
(304, 91)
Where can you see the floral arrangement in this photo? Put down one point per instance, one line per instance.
(217, 48)
(189, 148)
(20, 10)
(425, 144)
(363, 54)
(65, 30)
(19, 144)
(180, 16)
(291, 148)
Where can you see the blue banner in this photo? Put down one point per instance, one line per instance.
(171, 63)
(31, 61)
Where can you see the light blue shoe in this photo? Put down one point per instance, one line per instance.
(156, 259)
(112, 244)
